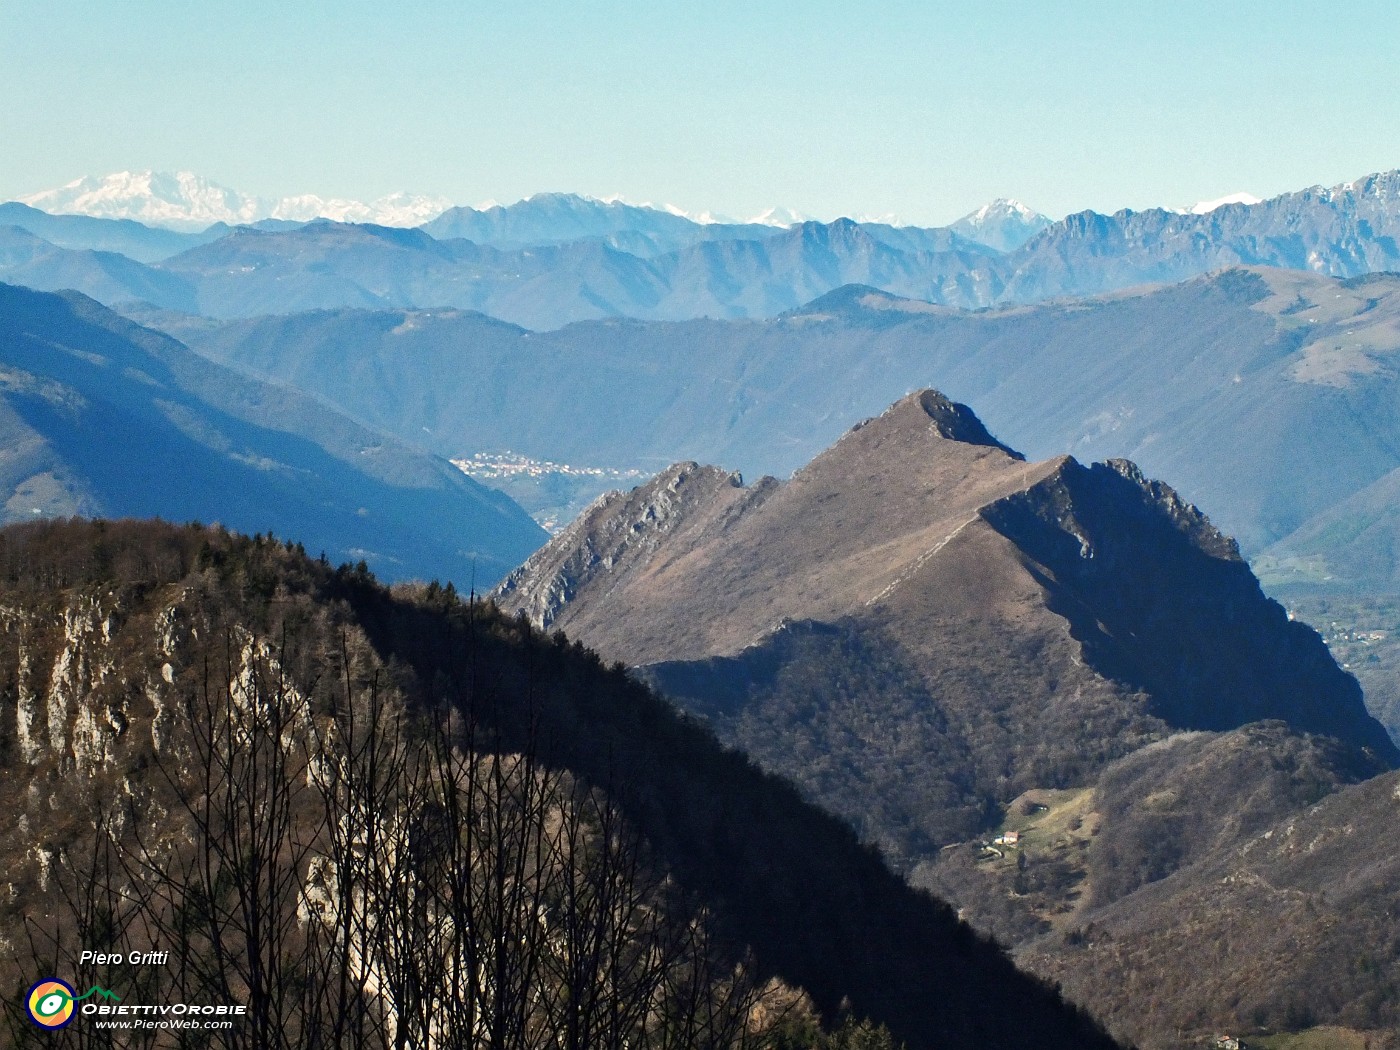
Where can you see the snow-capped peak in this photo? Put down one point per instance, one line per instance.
(395, 209)
(1206, 207)
(703, 218)
(182, 199)
(1004, 224)
(780, 216)
(1001, 209)
(186, 201)
(777, 217)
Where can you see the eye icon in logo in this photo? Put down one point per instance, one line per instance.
(50, 1003)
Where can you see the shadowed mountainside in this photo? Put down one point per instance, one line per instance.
(114, 635)
(101, 417)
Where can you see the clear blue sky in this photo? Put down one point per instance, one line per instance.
(922, 109)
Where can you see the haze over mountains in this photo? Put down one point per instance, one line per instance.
(135, 240)
(935, 638)
(560, 218)
(102, 418)
(553, 258)
(32, 261)
(1054, 693)
(1206, 406)
(1267, 396)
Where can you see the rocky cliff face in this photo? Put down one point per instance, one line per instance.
(955, 422)
(1160, 600)
(619, 530)
(75, 697)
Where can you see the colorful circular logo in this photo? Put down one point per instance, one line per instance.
(50, 1003)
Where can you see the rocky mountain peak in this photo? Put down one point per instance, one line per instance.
(1052, 616)
(916, 433)
(957, 422)
(1184, 515)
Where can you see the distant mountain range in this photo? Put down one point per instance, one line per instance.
(1268, 396)
(189, 202)
(1050, 689)
(556, 258)
(560, 218)
(186, 201)
(135, 240)
(1282, 349)
(326, 265)
(108, 276)
(102, 418)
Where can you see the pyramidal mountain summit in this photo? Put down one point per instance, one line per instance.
(1053, 694)
(1021, 624)
(1004, 224)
